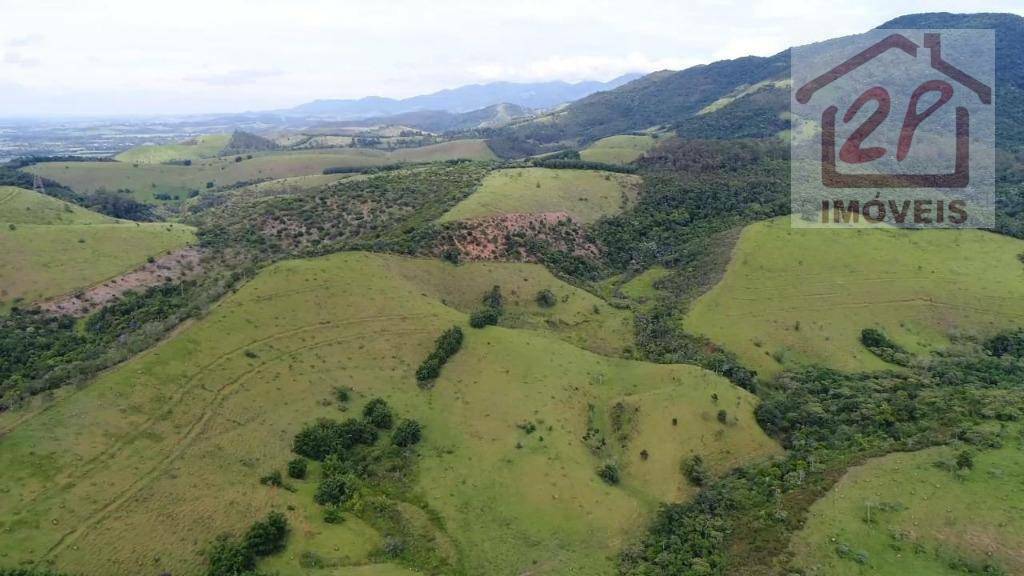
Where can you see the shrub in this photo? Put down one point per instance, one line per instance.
(342, 394)
(546, 298)
(332, 490)
(723, 416)
(694, 470)
(378, 413)
(484, 317)
(272, 479)
(445, 347)
(408, 433)
(226, 557)
(493, 298)
(316, 441)
(332, 515)
(267, 536)
(609, 473)
(297, 468)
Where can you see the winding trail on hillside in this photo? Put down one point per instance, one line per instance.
(199, 425)
(111, 452)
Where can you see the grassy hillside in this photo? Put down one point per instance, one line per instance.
(42, 261)
(146, 181)
(21, 206)
(198, 148)
(791, 297)
(139, 470)
(621, 149)
(903, 514)
(586, 195)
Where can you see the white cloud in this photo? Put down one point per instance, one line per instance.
(195, 55)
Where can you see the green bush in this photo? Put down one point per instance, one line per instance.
(484, 317)
(267, 536)
(297, 468)
(408, 433)
(694, 470)
(332, 490)
(444, 348)
(324, 437)
(546, 298)
(227, 557)
(273, 479)
(609, 473)
(377, 413)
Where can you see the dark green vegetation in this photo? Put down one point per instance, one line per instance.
(227, 556)
(371, 479)
(726, 170)
(828, 420)
(40, 352)
(391, 210)
(445, 347)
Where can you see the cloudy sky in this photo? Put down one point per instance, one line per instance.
(137, 57)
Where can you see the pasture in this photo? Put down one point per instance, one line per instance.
(198, 148)
(175, 183)
(21, 206)
(41, 261)
(585, 195)
(800, 296)
(621, 149)
(907, 513)
(139, 470)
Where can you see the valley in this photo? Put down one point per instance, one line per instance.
(508, 328)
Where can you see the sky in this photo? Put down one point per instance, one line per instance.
(137, 57)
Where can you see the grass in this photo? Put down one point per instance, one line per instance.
(641, 288)
(137, 471)
(146, 180)
(43, 261)
(21, 206)
(198, 148)
(579, 317)
(799, 296)
(621, 149)
(586, 195)
(906, 516)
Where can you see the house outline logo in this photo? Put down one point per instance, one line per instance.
(831, 177)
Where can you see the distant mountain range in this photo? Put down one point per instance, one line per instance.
(536, 96)
(746, 97)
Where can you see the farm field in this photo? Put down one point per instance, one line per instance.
(586, 195)
(902, 514)
(40, 261)
(146, 180)
(621, 149)
(142, 468)
(198, 148)
(21, 206)
(792, 297)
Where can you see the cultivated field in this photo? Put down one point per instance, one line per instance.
(903, 514)
(198, 148)
(40, 261)
(136, 472)
(803, 296)
(21, 206)
(586, 195)
(621, 149)
(146, 180)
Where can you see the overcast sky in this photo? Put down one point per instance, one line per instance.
(187, 56)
